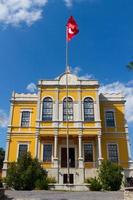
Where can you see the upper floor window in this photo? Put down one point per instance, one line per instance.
(110, 120)
(88, 152)
(68, 109)
(47, 152)
(113, 153)
(25, 119)
(47, 111)
(23, 148)
(88, 109)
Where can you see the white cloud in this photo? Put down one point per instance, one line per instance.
(86, 77)
(77, 70)
(3, 119)
(69, 3)
(15, 12)
(31, 87)
(126, 90)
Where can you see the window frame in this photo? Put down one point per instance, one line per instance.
(111, 143)
(21, 114)
(47, 161)
(64, 108)
(113, 111)
(21, 143)
(88, 120)
(43, 119)
(92, 152)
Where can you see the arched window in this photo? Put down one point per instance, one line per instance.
(88, 109)
(68, 109)
(47, 111)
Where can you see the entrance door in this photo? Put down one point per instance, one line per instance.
(64, 157)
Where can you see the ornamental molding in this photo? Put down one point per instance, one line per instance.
(118, 97)
(24, 97)
(73, 80)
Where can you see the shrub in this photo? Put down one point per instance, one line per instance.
(95, 184)
(51, 179)
(2, 155)
(1, 183)
(41, 184)
(110, 176)
(24, 174)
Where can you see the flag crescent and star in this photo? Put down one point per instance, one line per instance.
(71, 28)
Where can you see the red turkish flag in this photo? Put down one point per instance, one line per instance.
(72, 28)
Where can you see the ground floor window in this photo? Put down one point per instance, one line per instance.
(47, 152)
(88, 152)
(113, 153)
(23, 148)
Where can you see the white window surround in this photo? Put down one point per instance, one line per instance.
(117, 150)
(70, 100)
(68, 97)
(21, 111)
(82, 104)
(42, 145)
(112, 110)
(22, 143)
(94, 107)
(88, 96)
(42, 106)
(93, 151)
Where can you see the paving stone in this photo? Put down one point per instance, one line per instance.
(55, 195)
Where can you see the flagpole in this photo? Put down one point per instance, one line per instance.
(67, 125)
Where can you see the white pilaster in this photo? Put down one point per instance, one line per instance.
(97, 110)
(38, 121)
(39, 145)
(79, 114)
(4, 169)
(130, 161)
(55, 159)
(80, 158)
(99, 149)
(56, 109)
(36, 143)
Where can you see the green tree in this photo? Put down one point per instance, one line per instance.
(26, 174)
(130, 65)
(110, 176)
(2, 155)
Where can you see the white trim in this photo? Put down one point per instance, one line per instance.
(53, 101)
(52, 156)
(94, 110)
(83, 98)
(48, 96)
(94, 157)
(117, 150)
(68, 97)
(21, 111)
(21, 143)
(112, 110)
(73, 108)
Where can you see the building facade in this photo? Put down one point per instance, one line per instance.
(96, 129)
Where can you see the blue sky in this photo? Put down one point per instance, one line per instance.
(32, 46)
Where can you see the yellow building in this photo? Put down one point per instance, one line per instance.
(96, 128)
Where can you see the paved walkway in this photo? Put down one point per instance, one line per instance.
(55, 195)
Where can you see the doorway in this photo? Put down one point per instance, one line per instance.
(71, 157)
